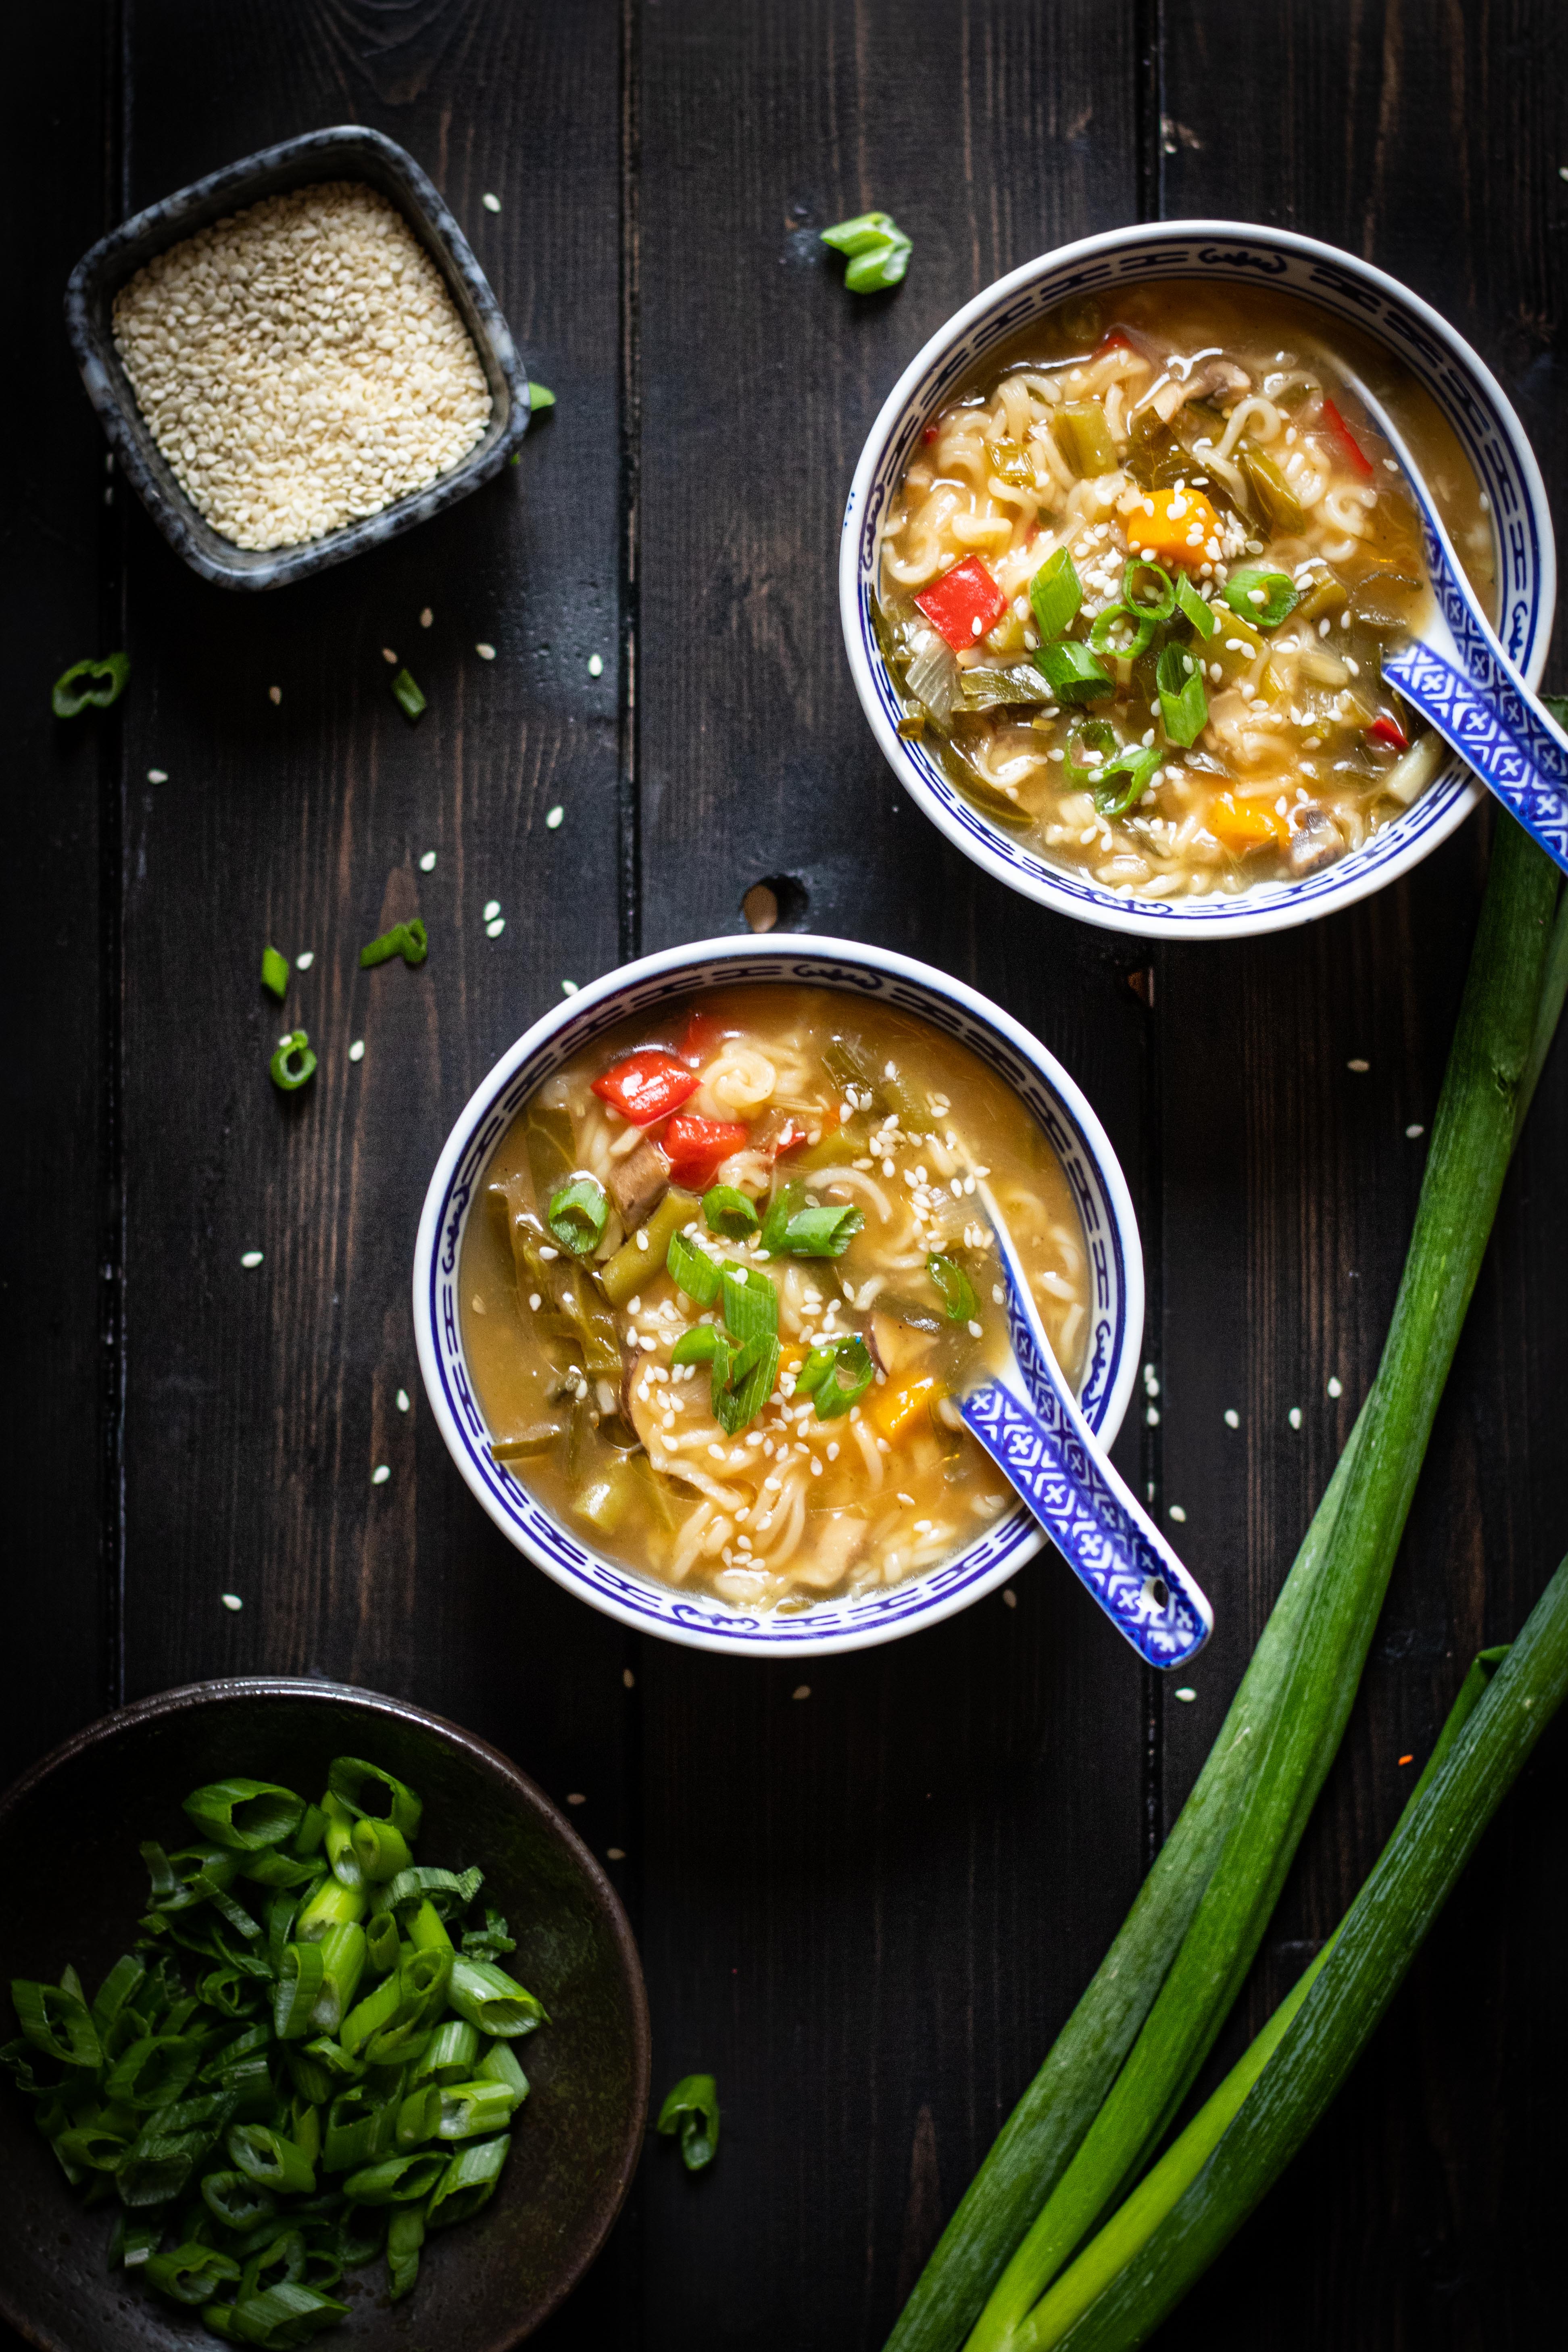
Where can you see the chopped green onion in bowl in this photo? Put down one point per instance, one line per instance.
(109, 677)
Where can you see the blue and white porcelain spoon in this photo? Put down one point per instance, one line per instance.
(1458, 676)
(1028, 1420)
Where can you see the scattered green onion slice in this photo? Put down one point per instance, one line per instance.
(539, 396)
(1264, 598)
(1056, 593)
(292, 1063)
(1195, 608)
(275, 972)
(823, 1231)
(958, 1302)
(727, 1210)
(578, 1214)
(1137, 763)
(1071, 672)
(1183, 703)
(1141, 624)
(878, 248)
(245, 1814)
(1099, 735)
(468, 2183)
(834, 1394)
(784, 1201)
(407, 695)
(691, 2108)
(692, 1270)
(408, 939)
(814, 1371)
(113, 669)
(695, 1346)
(1164, 602)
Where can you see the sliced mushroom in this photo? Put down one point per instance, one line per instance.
(1315, 842)
(834, 1541)
(640, 1184)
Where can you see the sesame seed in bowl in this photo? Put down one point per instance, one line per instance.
(296, 357)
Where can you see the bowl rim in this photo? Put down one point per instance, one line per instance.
(781, 946)
(974, 833)
(188, 1698)
(250, 178)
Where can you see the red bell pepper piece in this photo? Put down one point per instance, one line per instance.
(647, 1086)
(1388, 731)
(1115, 342)
(792, 1139)
(1345, 437)
(964, 603)
(929, 433)
(694, 1147)
(704, 1035)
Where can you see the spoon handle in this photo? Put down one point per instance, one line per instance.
(1030, 1422)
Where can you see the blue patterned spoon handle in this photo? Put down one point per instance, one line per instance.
(1458, 676)
(1030, 1422)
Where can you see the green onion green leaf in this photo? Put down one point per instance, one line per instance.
(275, 972)
(540, 396)
(823, 1232)
(1105, 637)
(1183, 703)
(292, 1063)
(407, 695)
(727, 1210)
(1164, 600)
(409, 941)
(695, 1346)
(1264, 598)
(837, 1394)
(878, 248)
(67, 698)
(691, 2108)
(958, 1302)
(1071, 672)
(578, 1215)
(692, 1270)
(1195, 608)
(1056, 593)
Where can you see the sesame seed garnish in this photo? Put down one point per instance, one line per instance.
(231, 1600)
(1175, 1512)
(380, 1475)
(554, 818)
(575, 1797)
(274, 694)
(801, 1690)
(428, 863)
(485, 653)
(426, 617)
(492, 205)
(492, 909)
(157, 775)
(403, 1400)
(596, 665)
(1232, 1418)
(1186, 1695)
(1336, 1386)
(494, 928)
(356, 1051)
(1360, 1067)
(251, 1260)
(568, 987)
(303, 961)
(1412, 1132)
(1294, 1416)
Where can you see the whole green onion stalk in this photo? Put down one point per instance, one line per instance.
(1099, 2106)
(1203, 2189)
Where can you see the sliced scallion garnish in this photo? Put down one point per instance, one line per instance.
(692, 1270)
(1264, 598)
(275, 972)
(1137, 764)
(878, 248)
(1071, 672)
(837, 1394)
(1183, 702)
(695, 1346)
(727, 1210)
(1101, 639)
(293, 1062)
(67, 698)
(539, 395)
(958, 1302)
(1195, 608)
(1056, 593)
(578, 1215)
(409, 941)
(407, 695)
(1164, 602)
(822, 1232)
(691, 2109)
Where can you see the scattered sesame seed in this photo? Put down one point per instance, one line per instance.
(801, 1690)
(1336, 1386)
(1009, 1598)
(628, 1678)
(596, 665)
(492, 909)
(1412, 1132)
(426, 617)
(615, 1854)
(494, 930)
(1151, 1415)
(231, 1600)
(428, 863)
(403, 1400)
(380, 1475)
(1360, 1068)
(251, 1260)
(485, 653)
(554, 818)
(356, 1051)
(1176, 1512)
(304, 960)
(1232, 1418)
(568, 987)
(388, 656)
(1294, 1416)
(1186, 1695)
(274, 694)
(575, 1797)
(157, 775)
(491, 203)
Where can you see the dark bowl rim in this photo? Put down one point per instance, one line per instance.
(438, 231)
(188, 1698)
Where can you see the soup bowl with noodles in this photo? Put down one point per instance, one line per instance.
(1121, 556)
(701, 1275)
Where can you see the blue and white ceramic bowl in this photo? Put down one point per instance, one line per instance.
(1344, 288)
(456, 1192)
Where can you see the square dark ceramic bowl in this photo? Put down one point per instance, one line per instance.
(348, 152)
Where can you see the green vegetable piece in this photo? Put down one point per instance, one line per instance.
(1263, 598)
(877, 247)
(292, 1063)
(299, 1985)
(1083, 437)
(398, 2178)
(540, 396)
(270, 2160)
(381, 1942)
(379, 1850)
(578, 1215)
(405, 2236)
(57, 2023)
(1137, 764)
(275, 972)
(332, 1904)
(813, 1372)
(1056, 593)
(409, 941)
(342, 1951)
(992, 690)
(1101, 639)
(743, 1380)
(835, 1395)
(361, 2128)
(443, 1892)
(472, 2110)
(113, 669)
(1164, 598)
(492, 2001)
(691, 2108)
(1071, 672)
(452, 2054)
(1097, 735)
(695, 1346)
(354, 1782)
(468, 2182)
(626, 1272)
(407, 695)
(958, 1302)
(420, 2110)
(692, 1270)
(1281, 506)
(237, 2201)
(823, 1232)
(751, 1304)
(784, 1202)
(245, 1814)
(500, 2065)
(727, 1210)
(1183, 703)
(1195, 608)
(286, 2315)
(191, 2273)
(488, 1942)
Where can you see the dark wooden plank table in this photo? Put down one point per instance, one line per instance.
(868, 1911)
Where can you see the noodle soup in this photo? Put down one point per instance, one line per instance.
(1136, 584)
(728, 1280)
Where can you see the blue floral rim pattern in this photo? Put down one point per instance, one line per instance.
(1110, 1232)
(1343, 287)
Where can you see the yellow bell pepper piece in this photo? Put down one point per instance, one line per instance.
(1177, 531)
(1247, 824)
(895, 1409)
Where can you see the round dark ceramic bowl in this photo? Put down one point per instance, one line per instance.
(75, 1885)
